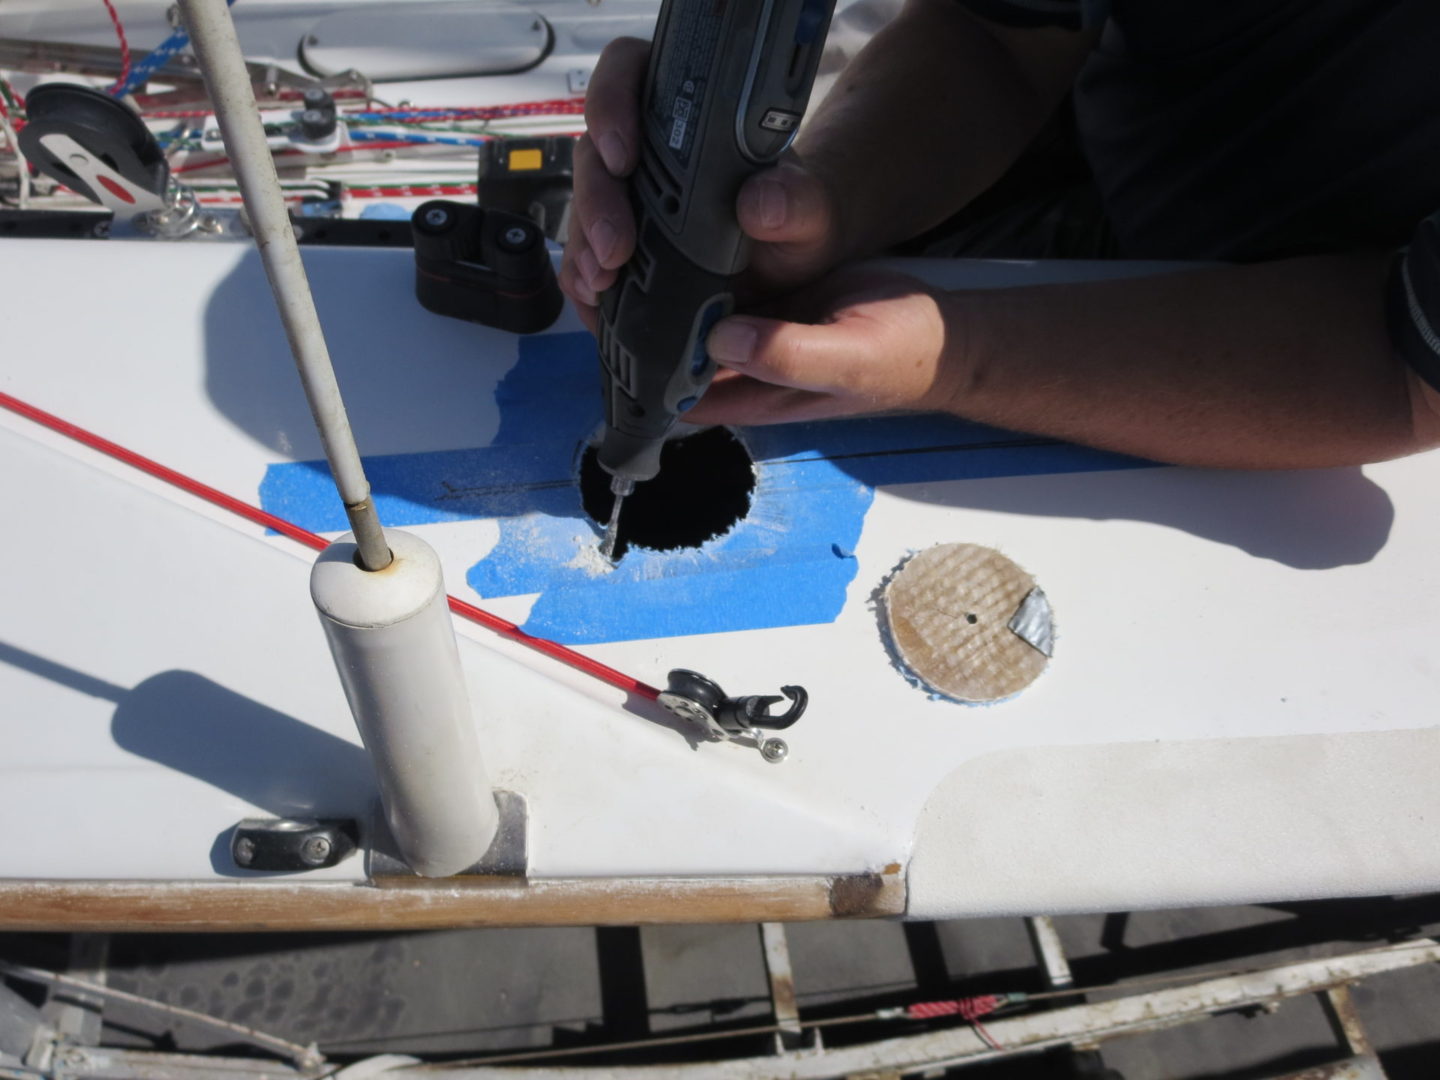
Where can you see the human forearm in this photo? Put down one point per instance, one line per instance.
(1281, 365)
(1278, 365)
(930, 113)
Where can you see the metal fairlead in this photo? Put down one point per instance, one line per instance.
(287, 844)
(700, 701)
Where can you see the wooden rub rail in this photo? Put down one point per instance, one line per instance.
(258, 906)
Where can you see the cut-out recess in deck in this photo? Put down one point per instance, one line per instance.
(787, 564)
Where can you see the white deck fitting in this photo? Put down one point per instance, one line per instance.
(1240, 704)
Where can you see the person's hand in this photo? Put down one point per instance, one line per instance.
(786, 209)
(866, 342)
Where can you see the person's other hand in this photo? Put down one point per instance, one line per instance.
(866, 342)
(786, 209)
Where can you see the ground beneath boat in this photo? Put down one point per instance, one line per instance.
(476, 992)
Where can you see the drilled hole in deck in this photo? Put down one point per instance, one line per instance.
(703, 489)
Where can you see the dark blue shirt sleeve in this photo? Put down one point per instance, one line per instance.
(1069, 14)
(1412, 301)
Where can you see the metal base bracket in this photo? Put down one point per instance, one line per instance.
(505, 863)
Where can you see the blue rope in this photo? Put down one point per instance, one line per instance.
(364, 135)
(141, 73)
(415, 114)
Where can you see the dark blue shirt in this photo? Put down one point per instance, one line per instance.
(1260, 129)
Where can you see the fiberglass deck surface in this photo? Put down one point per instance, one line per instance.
(1239, 706)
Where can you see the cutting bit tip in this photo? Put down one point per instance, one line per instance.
(612, 530)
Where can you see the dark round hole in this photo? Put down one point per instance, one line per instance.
(703, 489)
(972, 619)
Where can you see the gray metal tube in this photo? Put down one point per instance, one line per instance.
(212, 32)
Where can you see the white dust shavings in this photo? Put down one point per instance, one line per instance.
(589, 559)
(284, 440)
(770, 515)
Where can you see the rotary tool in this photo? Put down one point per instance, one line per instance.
(726, 87)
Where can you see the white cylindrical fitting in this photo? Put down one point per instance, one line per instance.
(394, 645)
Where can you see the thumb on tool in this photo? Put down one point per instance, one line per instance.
(880, 348)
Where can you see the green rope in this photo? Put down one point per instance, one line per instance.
(11, 101)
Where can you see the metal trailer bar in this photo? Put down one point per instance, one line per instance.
(304, 1056)
(782, 986)
(1016, 1036)
(1355, 1068)
(52, 1054)
(1045, 940)
(76, 1014)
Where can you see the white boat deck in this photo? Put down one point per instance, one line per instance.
(1240, 707)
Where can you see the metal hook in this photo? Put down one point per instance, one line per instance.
(754, 711)
(700, 700)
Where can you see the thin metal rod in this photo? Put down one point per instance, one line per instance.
(222, 63)
(620, 487)
(307, 1057)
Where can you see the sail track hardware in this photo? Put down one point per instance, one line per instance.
(699, 701)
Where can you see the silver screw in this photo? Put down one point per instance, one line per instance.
(315, 850)
(515, 236)
(244, 851)
(437, 217)
(774, 751)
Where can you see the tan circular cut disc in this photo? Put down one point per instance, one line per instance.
(948, 611)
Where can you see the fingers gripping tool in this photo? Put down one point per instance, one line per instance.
(727, 84)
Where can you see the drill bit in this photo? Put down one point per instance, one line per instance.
(621, 487)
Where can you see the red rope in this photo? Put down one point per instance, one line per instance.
(519, 110)
(503, 627)
(573, 106)
(289, 151)
(8, 96)
(969, 1009)
(124, 47)
(410, 191)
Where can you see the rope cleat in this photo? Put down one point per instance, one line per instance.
(699, 701)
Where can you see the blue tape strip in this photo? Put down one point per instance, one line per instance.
(789, 563)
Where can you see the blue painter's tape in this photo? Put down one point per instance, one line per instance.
(779, 567)
(789, 563)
